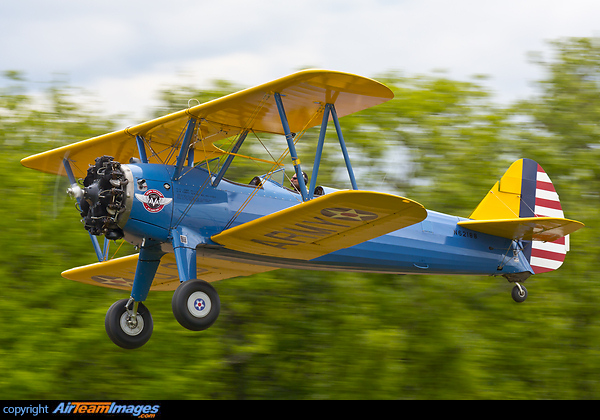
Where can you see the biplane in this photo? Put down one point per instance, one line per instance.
(162, 186)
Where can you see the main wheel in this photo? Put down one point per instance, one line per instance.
(519, 293)
(124, 331)
(196, 305)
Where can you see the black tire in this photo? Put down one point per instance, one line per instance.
(121, 333)
(519, 295)
(196, 305)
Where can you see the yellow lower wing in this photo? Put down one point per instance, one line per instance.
(323, 225)
(547, 229)
(119, 273)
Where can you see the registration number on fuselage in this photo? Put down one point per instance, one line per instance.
(465, 233)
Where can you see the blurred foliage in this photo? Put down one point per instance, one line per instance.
(292, 334)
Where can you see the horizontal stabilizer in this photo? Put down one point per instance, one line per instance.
(323, 225)
(546, 229)
(119, 272)
(524, 204)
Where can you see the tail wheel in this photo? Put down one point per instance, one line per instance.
(519, 293)
(125, 329)
(196, 305)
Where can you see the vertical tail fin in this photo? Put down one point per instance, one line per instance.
(525, 190)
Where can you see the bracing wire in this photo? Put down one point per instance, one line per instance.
(246, 127)
(278, 163)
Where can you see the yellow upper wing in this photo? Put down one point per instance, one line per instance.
(119, 273)
(303, 93)
(546, 229)
(323, 225)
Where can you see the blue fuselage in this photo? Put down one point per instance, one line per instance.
(437, 245)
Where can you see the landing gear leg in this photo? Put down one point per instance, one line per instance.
(128, 322)
(519, 293)
(196, 304)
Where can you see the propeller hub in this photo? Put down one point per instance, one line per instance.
(75, 191)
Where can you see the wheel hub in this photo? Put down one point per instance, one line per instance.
(131, 325)
(199, 304)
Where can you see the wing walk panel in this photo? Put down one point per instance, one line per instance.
(323, 225)
(119, 273)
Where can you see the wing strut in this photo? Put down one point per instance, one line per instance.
(319, 152)
(292, 148)
(329, 110)
(338, 129)
(185, 148)
(141, 148)
(234, 150)
(102, 256)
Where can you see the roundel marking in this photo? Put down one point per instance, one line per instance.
(112, 281)
(348, 214)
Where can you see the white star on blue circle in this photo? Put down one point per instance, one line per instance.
(199, 304)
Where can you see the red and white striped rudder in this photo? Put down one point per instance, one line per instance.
(547, 256)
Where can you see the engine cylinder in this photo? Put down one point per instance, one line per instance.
(104, 204)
